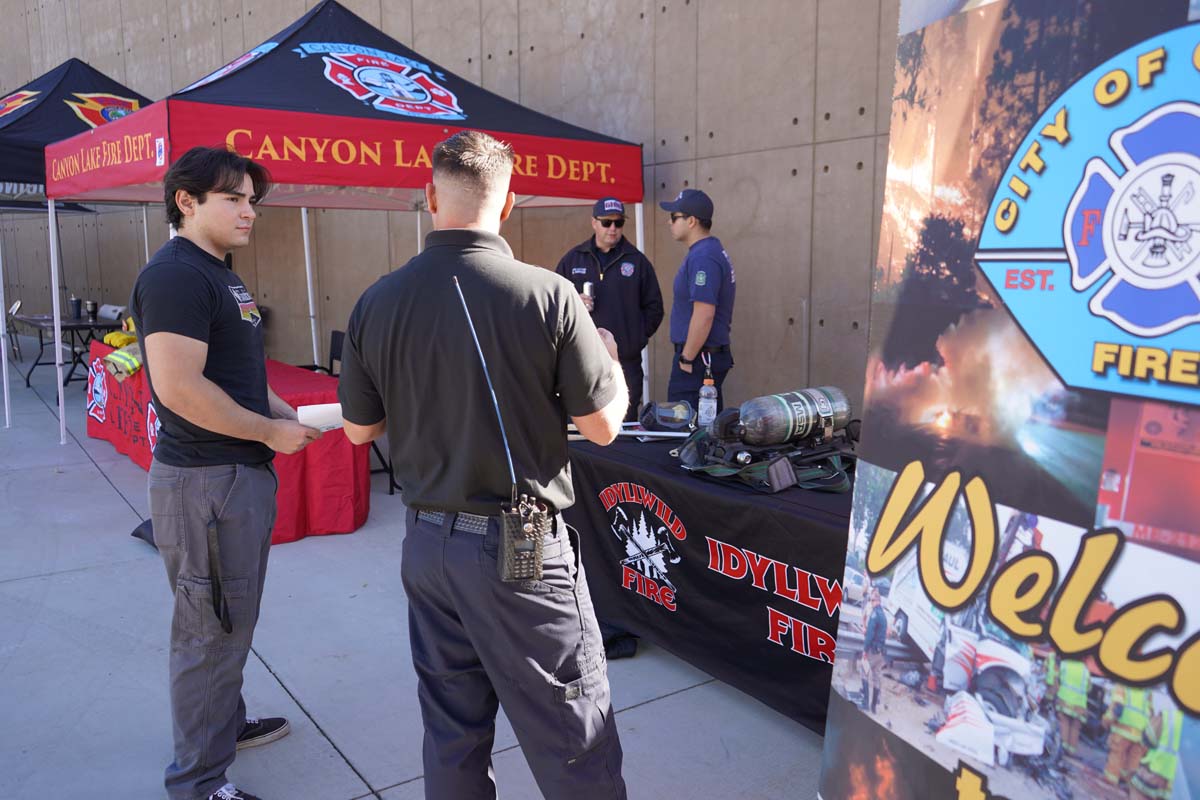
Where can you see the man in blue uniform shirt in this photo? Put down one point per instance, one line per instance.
(702, 312)
(626, 299)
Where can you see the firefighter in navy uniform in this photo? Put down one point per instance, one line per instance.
(705, 289)
(626, 298)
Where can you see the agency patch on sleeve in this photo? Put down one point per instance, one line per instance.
(701, 278)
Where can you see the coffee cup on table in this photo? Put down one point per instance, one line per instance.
(92, 307)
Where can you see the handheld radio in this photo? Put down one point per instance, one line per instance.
(524, 520)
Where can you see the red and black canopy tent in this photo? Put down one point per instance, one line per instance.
(343, 116)
(70, 98)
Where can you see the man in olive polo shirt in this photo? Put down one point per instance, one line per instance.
(410, 369)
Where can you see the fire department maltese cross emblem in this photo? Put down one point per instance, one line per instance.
(387, 81)
(1139, 231)
(97, 390)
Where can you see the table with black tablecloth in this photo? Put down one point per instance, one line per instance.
(743, 585)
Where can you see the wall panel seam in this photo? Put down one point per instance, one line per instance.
(696, 102)
(124, 62)
(766, 150)
(878, 63)
(28, 42)
(812, 204)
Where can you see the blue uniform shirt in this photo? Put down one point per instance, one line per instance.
(706, 275)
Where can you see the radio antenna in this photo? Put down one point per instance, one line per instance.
(512, 475)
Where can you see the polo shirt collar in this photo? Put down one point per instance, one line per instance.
(468, 237)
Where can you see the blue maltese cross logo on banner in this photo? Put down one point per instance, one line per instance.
(1139, 231)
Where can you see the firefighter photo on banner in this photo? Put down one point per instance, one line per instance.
(1026, 512)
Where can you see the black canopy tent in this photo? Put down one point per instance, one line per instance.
(71, 98)
(343, 116)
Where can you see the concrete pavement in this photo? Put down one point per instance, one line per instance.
(84, 619)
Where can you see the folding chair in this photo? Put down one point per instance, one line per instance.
(13, 338)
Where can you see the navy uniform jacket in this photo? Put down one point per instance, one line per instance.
(628, 301)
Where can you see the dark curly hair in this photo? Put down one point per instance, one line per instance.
(202, 170)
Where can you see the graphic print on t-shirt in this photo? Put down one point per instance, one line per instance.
(246, 305)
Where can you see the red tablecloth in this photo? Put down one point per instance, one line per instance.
(325, 488)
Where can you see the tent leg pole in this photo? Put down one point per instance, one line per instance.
(639, 219)
(57, 307)
(312, 295)
(4, 343)
(145, 234)
(420, 243)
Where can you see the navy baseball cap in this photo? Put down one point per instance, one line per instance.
(608, 205)
(692, 202)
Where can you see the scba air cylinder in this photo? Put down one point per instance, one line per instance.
(781, 418)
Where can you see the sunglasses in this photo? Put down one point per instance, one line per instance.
(608, 223)
(677, 217)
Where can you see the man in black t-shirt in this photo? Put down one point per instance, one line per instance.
(211, 487)
(410, 369)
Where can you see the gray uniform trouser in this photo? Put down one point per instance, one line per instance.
(534, 647)
(205, 662)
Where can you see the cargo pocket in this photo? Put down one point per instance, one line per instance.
(193, 598)
(195, 623)
(585, 705)
(166, 512)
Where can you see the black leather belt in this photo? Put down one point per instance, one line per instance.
(467, 523)
(721, 348)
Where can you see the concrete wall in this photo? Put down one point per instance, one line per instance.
(779, 109)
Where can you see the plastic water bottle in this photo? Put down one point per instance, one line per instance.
(707, 411)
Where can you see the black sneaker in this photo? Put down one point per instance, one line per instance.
(231, 792)
(621, 647)
(262, 731)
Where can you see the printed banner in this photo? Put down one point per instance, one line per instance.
(317, 148)
(130, 150)
(745, 586)
(1026, 515)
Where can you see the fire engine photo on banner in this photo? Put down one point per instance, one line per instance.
(1025, 531)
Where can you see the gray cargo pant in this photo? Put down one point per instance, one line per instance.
(205, 662)
(534, 647)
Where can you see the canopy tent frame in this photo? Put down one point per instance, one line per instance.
(281, 105)
(56, 310)
(35, 117)
(4, 345)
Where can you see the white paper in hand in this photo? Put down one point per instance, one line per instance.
(323, 417)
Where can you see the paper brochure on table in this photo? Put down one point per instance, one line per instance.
(324, 417)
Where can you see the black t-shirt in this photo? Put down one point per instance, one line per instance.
(409, 356)
(186, 291)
